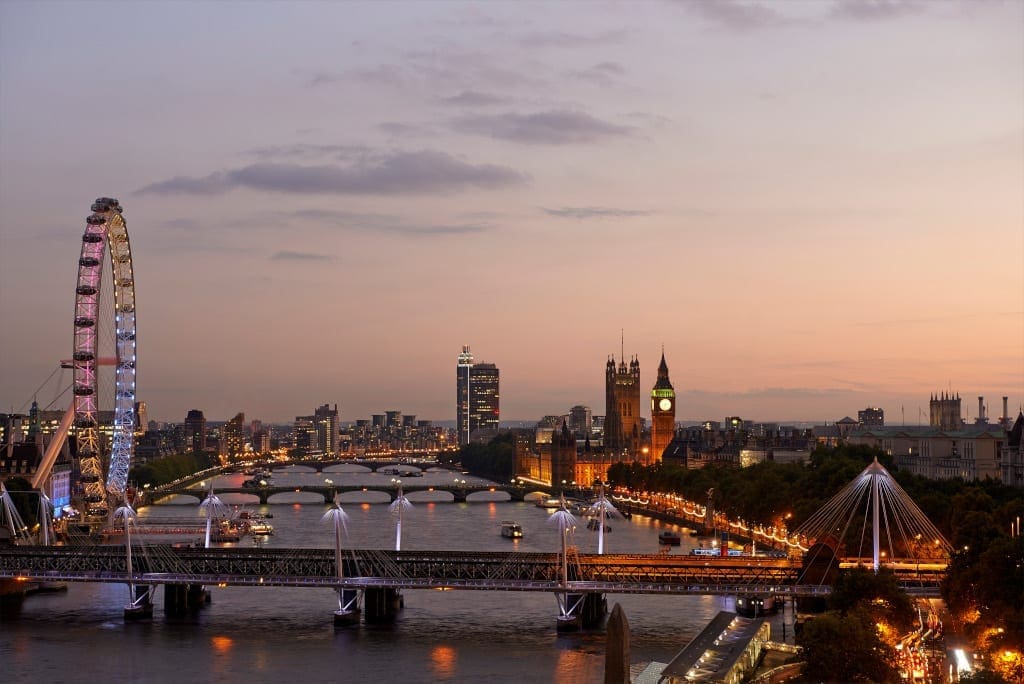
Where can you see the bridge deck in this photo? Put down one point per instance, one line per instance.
(509, 571)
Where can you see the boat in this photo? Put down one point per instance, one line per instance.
(549, 503)
(261, 527)
(755, 605)
(227, 531)
(595, 524)
(511, 530)
(669, 538)
(716, 552)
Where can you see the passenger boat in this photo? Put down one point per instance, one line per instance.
(549, 503)
(669, 538)
(261, 527)
(594, 524)
(227, 531)
(511, 530)
(754, 605)
(714, 552)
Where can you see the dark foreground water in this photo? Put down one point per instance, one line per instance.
(286, 635)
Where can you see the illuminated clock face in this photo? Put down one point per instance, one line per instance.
(665, 404)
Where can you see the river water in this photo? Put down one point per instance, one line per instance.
(277, 634)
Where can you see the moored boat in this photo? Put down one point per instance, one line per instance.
(261, 527)
(669, 538)
(754, 605)
(511, 529)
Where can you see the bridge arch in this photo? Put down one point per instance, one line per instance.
(367, 496)
(306, 496)
(498, 495)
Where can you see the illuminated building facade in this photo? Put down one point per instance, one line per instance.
(232, 438)
(871, 417)
(328, 430)
(478, 398)
(195, 431)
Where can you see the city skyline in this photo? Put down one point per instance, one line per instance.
(815, 207)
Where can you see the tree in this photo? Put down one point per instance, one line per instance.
(878, 594)
(845, 649)
(982, 677)
(495, 460)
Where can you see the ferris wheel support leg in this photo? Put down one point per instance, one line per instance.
(52, 451)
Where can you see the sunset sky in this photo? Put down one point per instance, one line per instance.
(814, 206)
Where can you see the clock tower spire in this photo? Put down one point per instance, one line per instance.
(663, 411)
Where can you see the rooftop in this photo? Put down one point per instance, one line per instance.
(711, 654)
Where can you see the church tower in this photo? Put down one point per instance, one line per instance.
(663, 412)
(622, 407)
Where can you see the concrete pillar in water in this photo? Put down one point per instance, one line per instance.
(382, 604)
(578, 610)
(595, 607)
(616, 655)
(181, 599)
(348, 611)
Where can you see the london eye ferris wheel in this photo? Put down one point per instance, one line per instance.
(105, 231)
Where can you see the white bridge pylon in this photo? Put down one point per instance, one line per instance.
(899, 528)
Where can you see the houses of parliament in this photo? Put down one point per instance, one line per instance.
(568, 458)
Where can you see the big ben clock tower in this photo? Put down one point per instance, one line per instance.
(663, 412)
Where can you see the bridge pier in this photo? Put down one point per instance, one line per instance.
(181, 599)
(347, 614)
(141, 607)
(382, 604)
(580, 610)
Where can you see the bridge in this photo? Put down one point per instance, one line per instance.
(460, 492)
(403, 465)
(473, 570)
(578, 581)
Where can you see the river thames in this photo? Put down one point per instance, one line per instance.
(278, 634)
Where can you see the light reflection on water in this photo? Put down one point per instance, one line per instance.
(276, 634)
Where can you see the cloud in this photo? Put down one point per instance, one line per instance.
(308, 151)
(213, 184)
(734, 14)
(404, 130)
(604, 74)
(383, 223)
(300, 256)
(390, 174)
(572, 40)
(384, 74)
(473, 98)
(594, 212)
(876, 10)
(558, 127)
